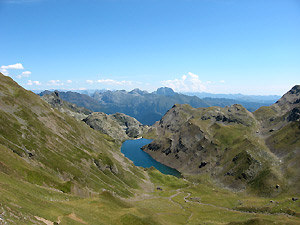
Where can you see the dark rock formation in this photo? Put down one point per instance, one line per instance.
(294, 115)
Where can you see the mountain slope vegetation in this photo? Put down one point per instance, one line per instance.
(55, 169)
(41, 146)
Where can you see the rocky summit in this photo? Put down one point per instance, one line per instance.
(119, 126)
(240, 149)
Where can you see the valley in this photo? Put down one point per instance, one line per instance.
(56, 169)
(160, 112)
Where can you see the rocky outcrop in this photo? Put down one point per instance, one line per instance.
(235, 114)
(105, 166)
(239, 148)
(294, 115)
(186, 137)
(119, 126)
(73, 110)
(289, 100)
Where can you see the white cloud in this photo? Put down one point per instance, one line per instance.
(17, 66)
(187, 83)
(35, 82)
(114, 82)
(89, 81)
(24, 74)
(69, 81)
(55, 83)
(222, 81)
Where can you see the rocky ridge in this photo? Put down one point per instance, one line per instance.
(144, 106)
(119, 126)
(73, 110)
(238, 148)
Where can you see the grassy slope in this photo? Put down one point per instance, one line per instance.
(206, 204)
(236, 155)
(47, 173)
(44, 147)
(282, 136)
(286, 144)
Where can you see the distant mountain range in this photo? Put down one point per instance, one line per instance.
(267, 99)
(150, 107)
(145, 107)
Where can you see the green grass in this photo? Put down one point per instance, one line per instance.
(167, 181)
(47, 170)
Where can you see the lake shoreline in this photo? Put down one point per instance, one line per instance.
(132, 150)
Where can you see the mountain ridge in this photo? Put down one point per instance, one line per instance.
(145, 107)
(118, 126)
(228, 139)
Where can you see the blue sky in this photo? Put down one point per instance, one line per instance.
(218, 46)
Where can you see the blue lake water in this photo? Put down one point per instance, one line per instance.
(132, 150)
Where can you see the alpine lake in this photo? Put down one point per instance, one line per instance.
(132, 150)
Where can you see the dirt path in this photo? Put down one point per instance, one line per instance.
(232, 210)
(187, 199)
(177, 203)
(72, 216)
(48, 222)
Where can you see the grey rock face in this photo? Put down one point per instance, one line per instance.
(65, 107)
(239, 148)
(289, 100)
(185, 143)
(101, 166)
(119, 126)
(294, 115)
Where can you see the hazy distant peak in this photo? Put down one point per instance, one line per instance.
(165, 91)
(138, 91)
(46, 92)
